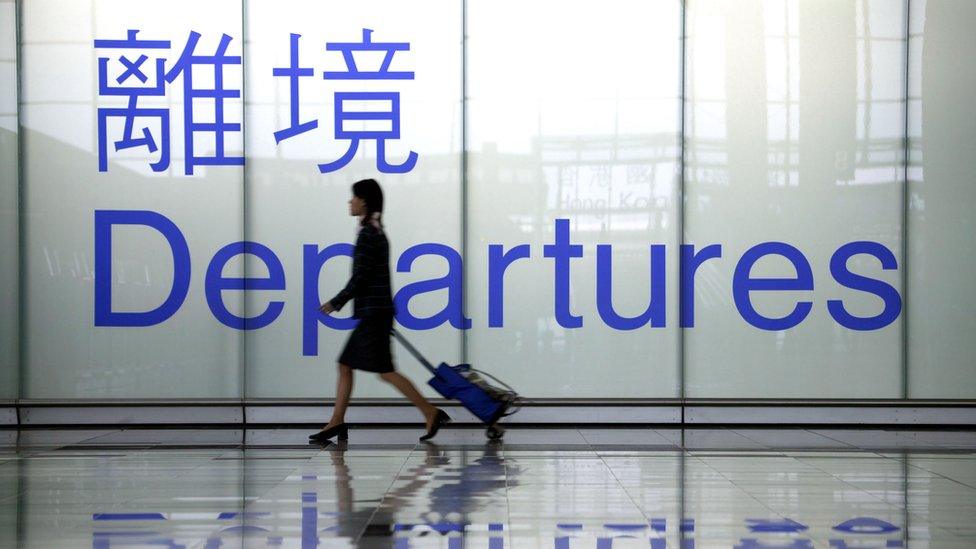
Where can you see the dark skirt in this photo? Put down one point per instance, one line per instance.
(368, 347)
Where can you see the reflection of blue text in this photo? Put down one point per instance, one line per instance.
(317, 526)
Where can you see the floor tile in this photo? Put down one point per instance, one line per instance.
(628, 486)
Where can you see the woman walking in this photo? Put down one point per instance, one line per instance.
(368, 347)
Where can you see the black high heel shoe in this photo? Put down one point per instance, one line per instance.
(440, 419)
(341, 429)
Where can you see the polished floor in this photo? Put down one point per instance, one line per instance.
(559, 488)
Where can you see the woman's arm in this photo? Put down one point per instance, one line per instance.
(361, 263)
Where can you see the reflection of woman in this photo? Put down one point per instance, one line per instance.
(351, 519)
(368, 347)
(476, 484)
(455, 490)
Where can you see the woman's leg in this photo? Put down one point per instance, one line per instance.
(343, 391)
(404, 386)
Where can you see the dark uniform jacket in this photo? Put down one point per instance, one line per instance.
(369, 286)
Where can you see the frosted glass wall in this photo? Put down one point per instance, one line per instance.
(8, 203)
(618, 200)
(584, 150)
(82, 70)
(794, 155)
(291, 203)
(942, 206)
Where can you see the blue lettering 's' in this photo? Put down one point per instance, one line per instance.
(838, 268)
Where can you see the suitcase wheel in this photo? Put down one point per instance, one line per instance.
(493, 432)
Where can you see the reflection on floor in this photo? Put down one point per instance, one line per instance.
(561, 488)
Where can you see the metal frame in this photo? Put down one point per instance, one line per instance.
(21, 215)
(906, 203)
(687, 412)
(8, 414)
(33, 416)
(464, 179)
(242, 340)
(683, 38)
(887, 414)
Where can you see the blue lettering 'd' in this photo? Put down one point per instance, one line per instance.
(104, 221)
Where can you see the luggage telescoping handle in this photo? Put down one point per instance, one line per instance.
(413, 350)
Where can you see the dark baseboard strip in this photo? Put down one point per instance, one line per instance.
(665, 413)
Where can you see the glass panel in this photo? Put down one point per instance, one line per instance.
(580, 132)
(169, 149)
(299, 184)
(8, 202)
(794, 152)
(941, 249)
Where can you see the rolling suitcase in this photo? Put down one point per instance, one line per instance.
(471, 388)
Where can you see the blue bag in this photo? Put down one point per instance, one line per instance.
(468, 386)
(450, 383)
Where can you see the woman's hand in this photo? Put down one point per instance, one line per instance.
(327, 307)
